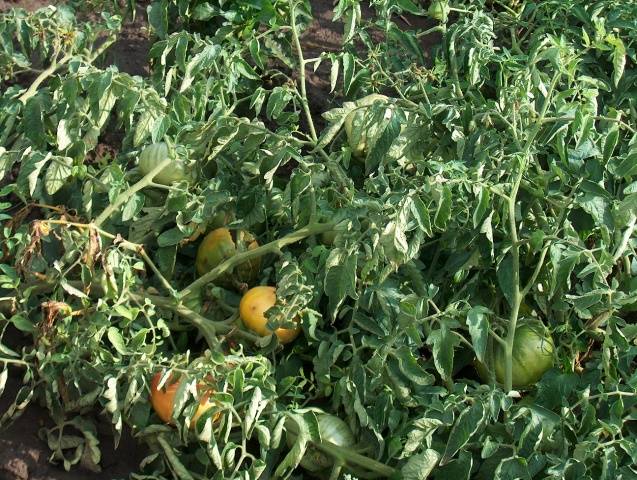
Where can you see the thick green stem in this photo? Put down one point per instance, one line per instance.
(145, 181)
(299, 52)
(46, 73)
(625, 238)
(272, 247)
(518, 294)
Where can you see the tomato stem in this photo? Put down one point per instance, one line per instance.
(124, 196)
(347, 455)
(518, 294)
(272, 247)
(299, 52)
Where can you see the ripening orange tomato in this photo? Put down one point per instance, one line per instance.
(163, 400)
(254, 303)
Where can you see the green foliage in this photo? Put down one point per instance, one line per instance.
(497, 187)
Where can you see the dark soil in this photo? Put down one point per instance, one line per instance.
(23, 455)
(130, 52)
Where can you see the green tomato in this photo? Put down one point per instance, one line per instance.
(332, 430)
(328, 238)
(439, 10)
(532, 356)
(153, 155)
(360, 145)
(221, 244)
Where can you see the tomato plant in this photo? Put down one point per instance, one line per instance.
(447, 182)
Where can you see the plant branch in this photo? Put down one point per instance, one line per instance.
(207, 327)
(272, 247)
(517, 294)
(145, 181)
(299, 51)
(536, 271)
(134, 247)
(46, 73)
(498, 338)
(570, 118)
(625, 238)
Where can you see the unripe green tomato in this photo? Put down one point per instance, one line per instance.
(439, 10)
(332, 430)
(533, 350)
(327, 238)
(359, 146)
(153, 155)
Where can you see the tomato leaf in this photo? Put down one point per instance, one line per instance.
(466, 425)
(420, 466)
(505, 278)
(479, 330)
(443, 343)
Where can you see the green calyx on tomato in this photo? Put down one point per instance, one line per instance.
(221, 244)
(533, 350)
(439, 10)
(332, 430)
(153, 155)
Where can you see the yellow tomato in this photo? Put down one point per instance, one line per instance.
(252, 308)
(163, 400)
